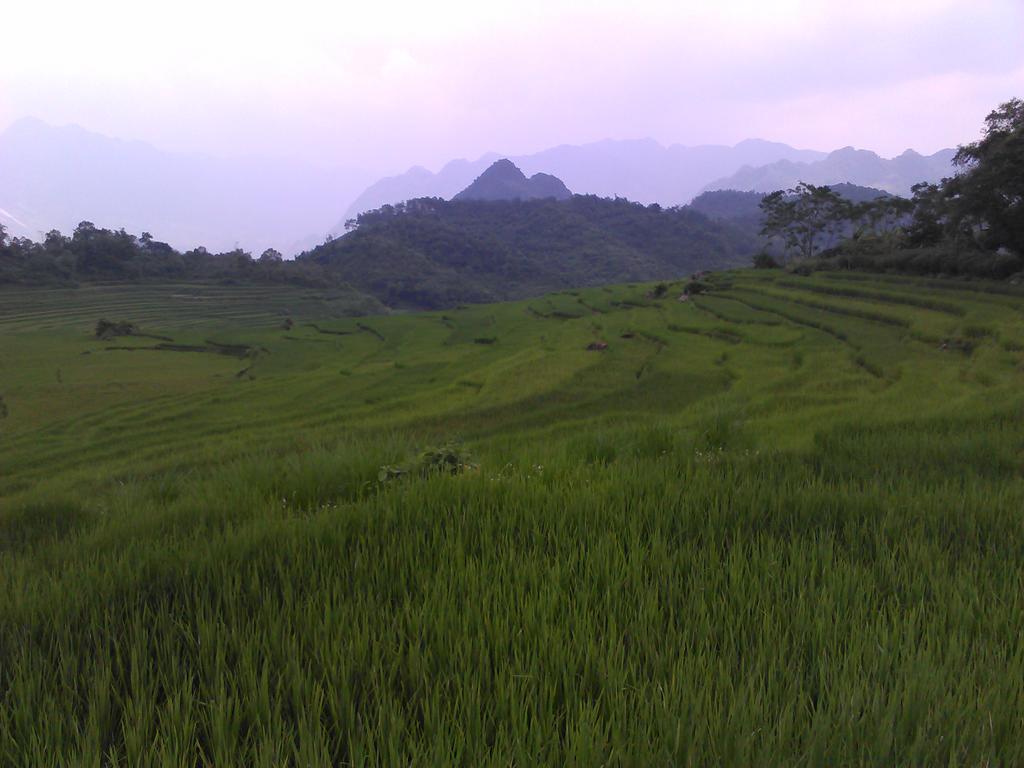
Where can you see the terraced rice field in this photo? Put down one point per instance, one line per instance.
(778, 523)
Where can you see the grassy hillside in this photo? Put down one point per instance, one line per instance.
(779, 523)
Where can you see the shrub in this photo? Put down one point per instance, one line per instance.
(447, 459)
(108, 329)
(696, 287)
(765, 261)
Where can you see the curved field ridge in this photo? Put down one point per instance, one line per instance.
(775, 524)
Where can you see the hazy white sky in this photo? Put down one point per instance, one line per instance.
(383, 85)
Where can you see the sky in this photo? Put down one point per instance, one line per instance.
(384, 85)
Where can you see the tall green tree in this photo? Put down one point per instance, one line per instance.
(882, 220)
(806, 218)
(986, 197)
(927, 225)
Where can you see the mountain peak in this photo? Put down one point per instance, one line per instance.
(503, 170)
(852, 152)
(504, 181)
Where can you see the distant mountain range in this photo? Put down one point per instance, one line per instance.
(54, 178)
(504, 181)
(642, 170)
(854, 166)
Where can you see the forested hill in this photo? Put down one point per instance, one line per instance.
(742, 210)
(429, 253)
(734, 205)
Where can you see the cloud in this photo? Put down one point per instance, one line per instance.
(391, 84)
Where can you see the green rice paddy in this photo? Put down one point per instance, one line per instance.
(781, 523)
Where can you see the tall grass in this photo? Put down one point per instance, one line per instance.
(764, 557)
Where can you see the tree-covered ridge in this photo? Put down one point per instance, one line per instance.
(93, 254)
(736, 206)
(433, 253)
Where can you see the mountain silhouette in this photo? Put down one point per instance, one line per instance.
(854, 166)
(642, 170)
(504, 181)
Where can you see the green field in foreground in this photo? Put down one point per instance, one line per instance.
(777, 524)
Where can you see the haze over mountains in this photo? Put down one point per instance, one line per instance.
(55, 177)
(647, 172)
(847, 165)
(641, 170)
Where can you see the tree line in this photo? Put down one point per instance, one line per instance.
(971, 223)
(94, 254)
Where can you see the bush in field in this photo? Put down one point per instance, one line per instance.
(696, 287)
(108, 329)
(446, 459)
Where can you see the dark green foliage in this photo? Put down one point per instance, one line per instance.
(764, 260)
(969, 225)
(430, 253)
(944, 258)
(743, 210)
(448, 458)
(806, 218)
(883, 217)
(926, 224)
(987, 197)
(108, 329)
(93, 254)
(745, 207)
